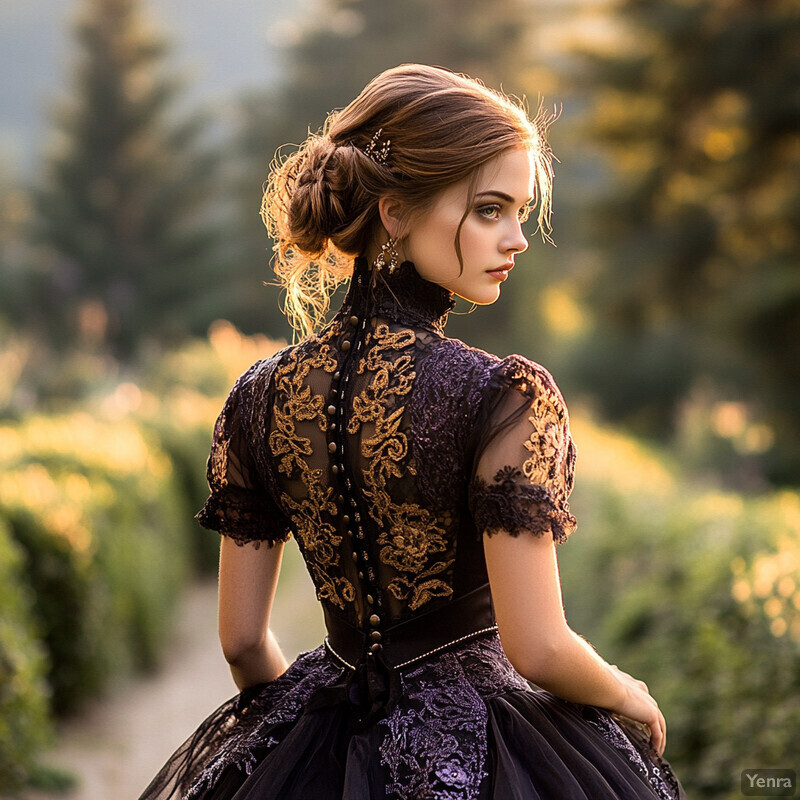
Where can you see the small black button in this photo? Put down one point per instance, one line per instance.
(331, 409)
(370, 599)
(340, 498)
(354, 320)
(346, 519)
(375, 636)
(335, 469)
(332, 447)
(361, 575)
(346, 345)
(337, 375)
(374, 620)
(355, 556)
(376, 648)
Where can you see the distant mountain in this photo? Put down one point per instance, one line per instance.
(220, 47)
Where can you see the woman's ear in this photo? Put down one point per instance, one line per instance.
(391, 217)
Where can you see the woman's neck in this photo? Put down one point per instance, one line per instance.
(401, 296)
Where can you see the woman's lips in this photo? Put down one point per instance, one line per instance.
(502, 273)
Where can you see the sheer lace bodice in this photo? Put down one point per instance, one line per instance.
(387, 450)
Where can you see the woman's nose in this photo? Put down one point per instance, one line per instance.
(517, 241)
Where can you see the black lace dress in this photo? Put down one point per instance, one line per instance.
(386, 450)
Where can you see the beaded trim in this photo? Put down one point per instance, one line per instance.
(414, 660)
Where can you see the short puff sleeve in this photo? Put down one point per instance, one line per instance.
(240, 504)
(524, 463)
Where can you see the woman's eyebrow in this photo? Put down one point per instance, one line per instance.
(501, 195)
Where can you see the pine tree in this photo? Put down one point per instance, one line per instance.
(126, 203)
(698, 109)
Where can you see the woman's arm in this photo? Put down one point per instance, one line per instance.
(526, 590)
(247, 581)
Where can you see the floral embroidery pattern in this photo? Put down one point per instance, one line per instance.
(546, 441)
(435, 743)
(311, 515)
(411, 536)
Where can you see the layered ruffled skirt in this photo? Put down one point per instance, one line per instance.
(465, 726)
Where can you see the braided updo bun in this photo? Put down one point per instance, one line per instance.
(320, 202)
(326, 196)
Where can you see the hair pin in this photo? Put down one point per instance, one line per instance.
(377, 150)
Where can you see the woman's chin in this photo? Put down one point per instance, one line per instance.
(485, 298)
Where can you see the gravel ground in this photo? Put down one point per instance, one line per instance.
(116, 746)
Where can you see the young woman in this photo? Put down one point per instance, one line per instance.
(425, 482)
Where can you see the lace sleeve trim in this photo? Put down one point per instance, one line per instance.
(244, 517)
(518, 508)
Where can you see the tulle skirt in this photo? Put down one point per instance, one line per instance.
(464, 726)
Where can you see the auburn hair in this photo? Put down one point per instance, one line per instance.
(320, 202)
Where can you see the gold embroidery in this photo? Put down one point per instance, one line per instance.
(546, 441)
(295, 402)
(410, 535)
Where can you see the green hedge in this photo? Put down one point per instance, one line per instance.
(97, 538)
(95, 508)
(697, 593)
(25, 725)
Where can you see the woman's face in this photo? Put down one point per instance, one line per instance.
(491, 234)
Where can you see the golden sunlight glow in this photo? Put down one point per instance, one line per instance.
(562, 314)
(772, 576)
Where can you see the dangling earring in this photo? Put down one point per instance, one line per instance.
(388, 258)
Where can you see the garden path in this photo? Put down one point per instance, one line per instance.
(118, 744)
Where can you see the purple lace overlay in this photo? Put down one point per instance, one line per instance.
(444, 407)
(248, 732)
(517, 508)
(436, 741)
(652, 769)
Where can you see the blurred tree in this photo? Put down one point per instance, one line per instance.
(125, 209)
(697, 105)
(350, 41)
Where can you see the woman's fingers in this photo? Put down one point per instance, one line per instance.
(658, 732)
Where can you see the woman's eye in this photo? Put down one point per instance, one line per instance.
(489, 212)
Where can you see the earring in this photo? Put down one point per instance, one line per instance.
(388, 257)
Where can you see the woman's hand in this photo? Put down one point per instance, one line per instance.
(640, 706)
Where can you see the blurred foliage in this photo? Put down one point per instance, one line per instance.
(700, 599)
(25, 726)
(694, 221)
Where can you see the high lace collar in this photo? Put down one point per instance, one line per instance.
(402, 296)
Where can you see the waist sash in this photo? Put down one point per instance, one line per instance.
(415, 639)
